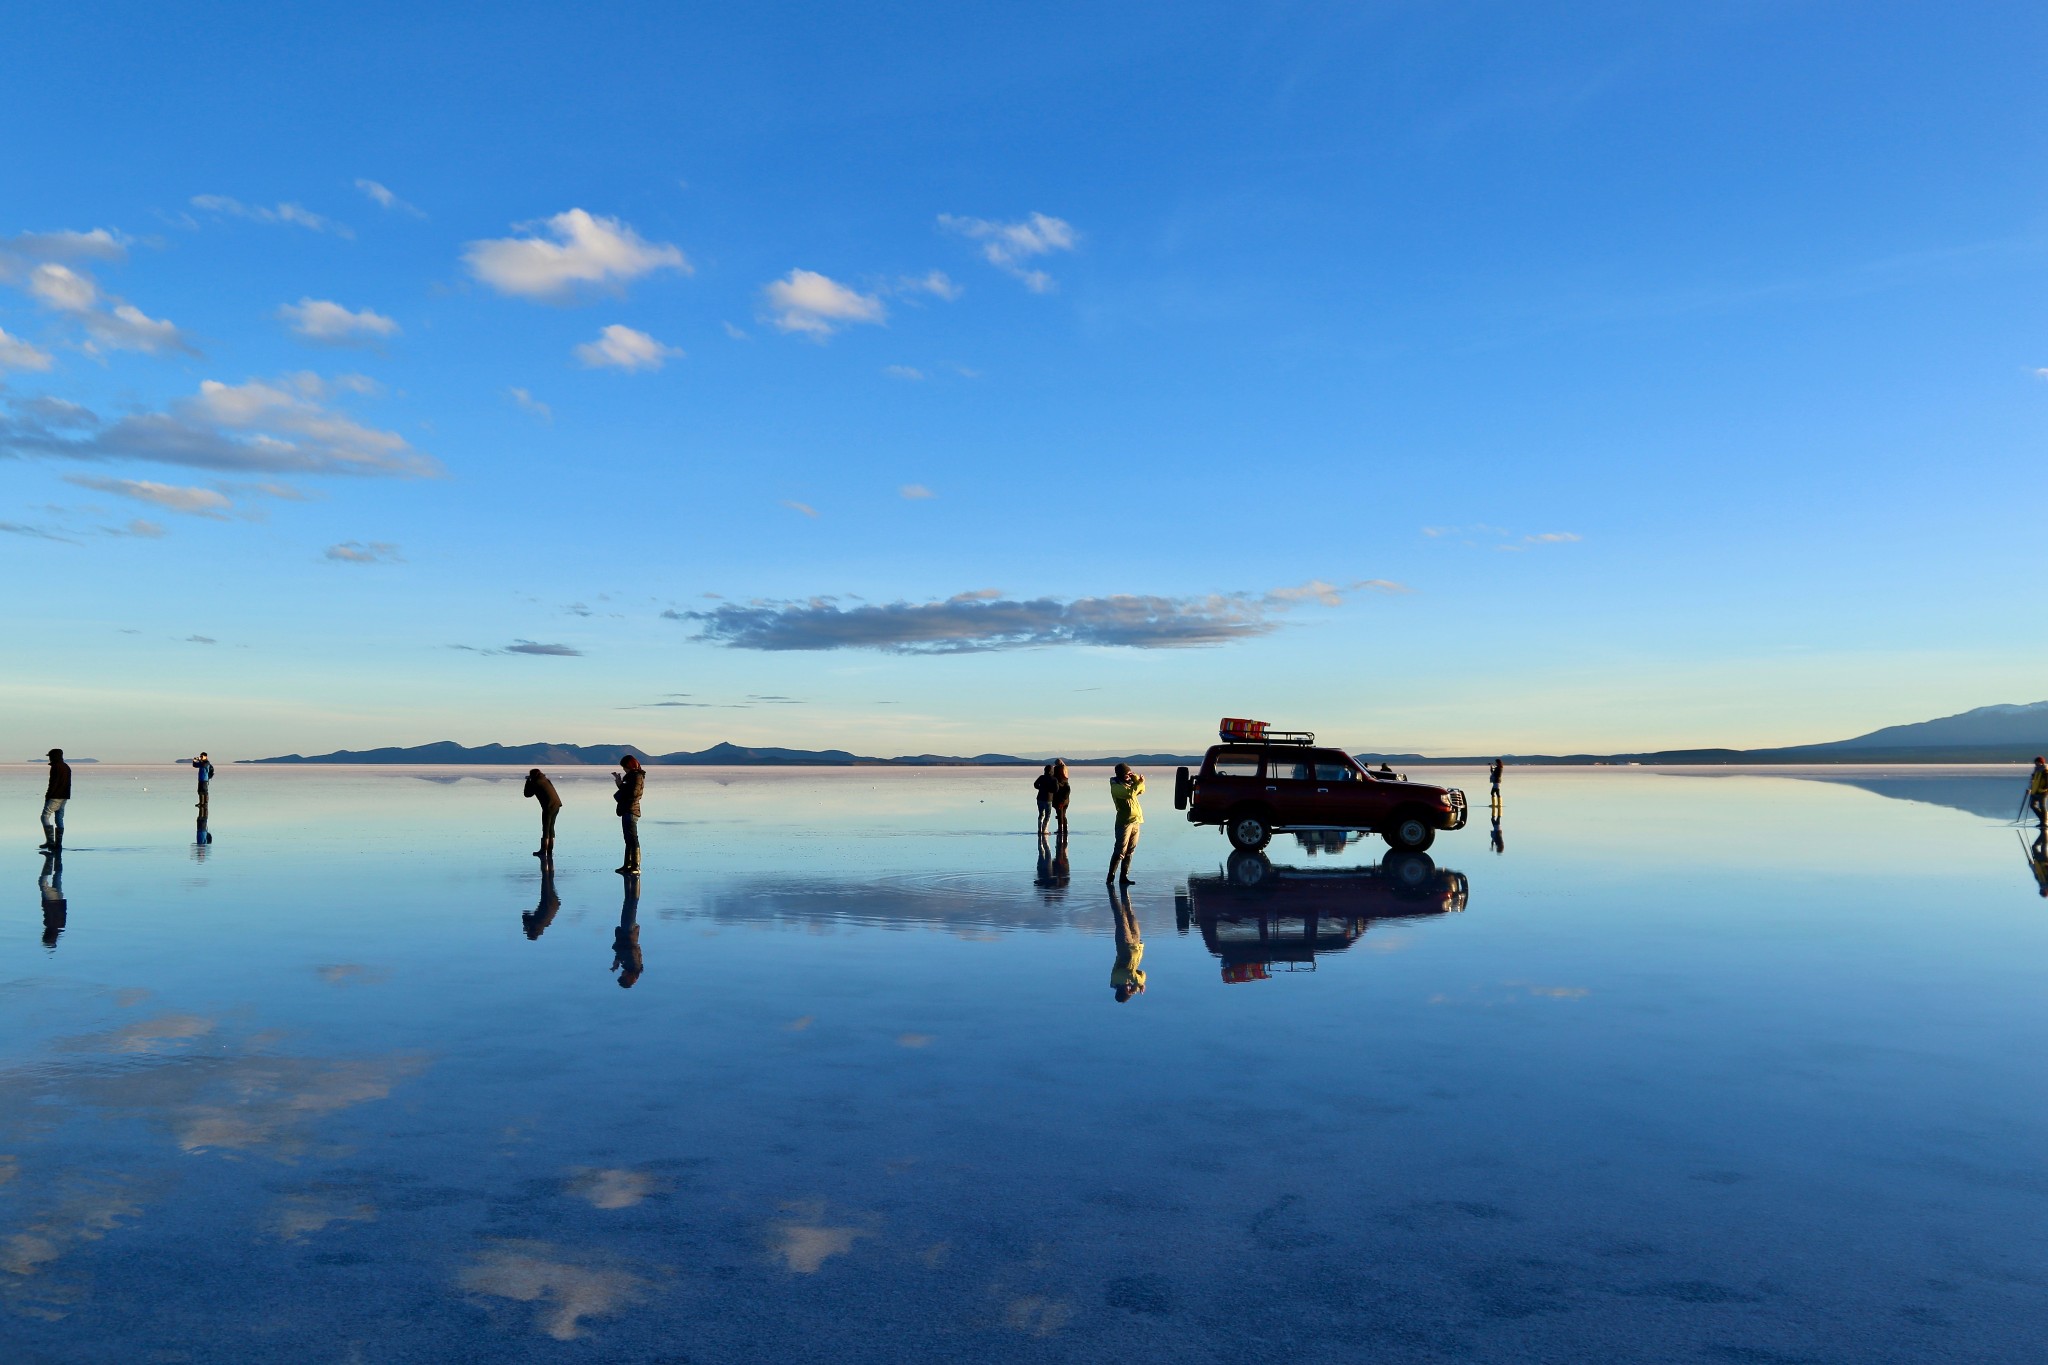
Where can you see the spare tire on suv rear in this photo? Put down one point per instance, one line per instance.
(1183, 788)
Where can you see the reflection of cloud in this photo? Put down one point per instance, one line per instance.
(82, 1209)
(913, 1039)
(1040, 1317)
(351, 974)
(985, 620)
(529, 1272)
(301, 1214)
(148, 1035)
(804, 1247)
(611, 1188)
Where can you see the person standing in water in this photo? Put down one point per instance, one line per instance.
(540, 789)
(1062, 793)
(2037, 791)
(628, 787)
(1124, 789)
(1493, 781)
(1042, 784)
(56, 793)
(203, 766)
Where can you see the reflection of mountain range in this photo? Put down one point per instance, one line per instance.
(1994, 798)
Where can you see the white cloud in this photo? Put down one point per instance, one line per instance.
(295, 214)
(385, 199)
(16, 354)
(621, 348)
(359, 552)
(937, 283)
(1552, 538)
(916, 492)
(325, 321)
(145, 530)
(97, 245)
(107, 320)
(736, 333)
(587, 251)
(800, 507)
(1007, 246)
(903, 372)
(817, 305)
(533, 405)
(279, 426)
(194, 502)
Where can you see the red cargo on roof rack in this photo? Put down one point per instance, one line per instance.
(1240, 729)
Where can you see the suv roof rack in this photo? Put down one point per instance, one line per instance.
(1300, 737)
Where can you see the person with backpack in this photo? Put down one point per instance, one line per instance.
(204, 767)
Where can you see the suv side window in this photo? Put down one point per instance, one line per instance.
(1331, 768)
(1237, 764)
(1286, 768)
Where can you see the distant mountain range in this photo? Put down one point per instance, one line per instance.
(1989, 734)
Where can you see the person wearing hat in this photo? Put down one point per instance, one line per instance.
(628, 787)
(55, 795)
(2037, 790)
(540, 789)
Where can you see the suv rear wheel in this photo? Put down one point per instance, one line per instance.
(1410, 832)
(1248, 830)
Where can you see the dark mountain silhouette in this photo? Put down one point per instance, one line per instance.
(1989, 734)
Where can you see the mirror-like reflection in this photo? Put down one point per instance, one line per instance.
(1256, 916)
(50, 888)
(535, 922)
(2037, 858)
(626, 959)
(1127, 973)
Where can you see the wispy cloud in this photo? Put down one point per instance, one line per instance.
(16, 354)
(279, 426)
(193, 502)
(916, 492)
(40, 263)
(937, 283)
(296, 215)
(802, 508)
(985, 620)
(138, 528)
(816, 305)
(533, 405)
(579, 251)
(365, 552)
(385, 199)
(1480, 535)
(16, 528)
(200, 640)
(330, 324)
(527, 647)
(903, 372)
(621, 348)
(1008, 246)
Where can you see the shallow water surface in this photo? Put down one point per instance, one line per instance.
(1716, 1066)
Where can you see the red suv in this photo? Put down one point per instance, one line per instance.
(1281, 780)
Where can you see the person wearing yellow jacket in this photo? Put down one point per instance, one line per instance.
(2037, 790)
(1124, 789)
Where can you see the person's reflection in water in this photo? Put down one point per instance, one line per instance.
(537, 920)
(626, 938)
(202, 837)
(51, 885)
(1054, 870)
(2037, 859)
(1499, 844)
(1127, 977)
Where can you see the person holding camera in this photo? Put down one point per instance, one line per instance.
(1124, 789)
(628, 786)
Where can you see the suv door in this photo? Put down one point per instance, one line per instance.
(1230, 776)
(1289, 788)
(1341, 791)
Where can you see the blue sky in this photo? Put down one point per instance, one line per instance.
(1453, 377)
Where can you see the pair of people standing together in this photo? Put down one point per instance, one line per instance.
(1055, 790)
(628, 786)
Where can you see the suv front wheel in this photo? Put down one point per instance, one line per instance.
(1248, 830)
(1409, 833)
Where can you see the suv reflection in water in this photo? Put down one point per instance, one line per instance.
(1255, 915)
